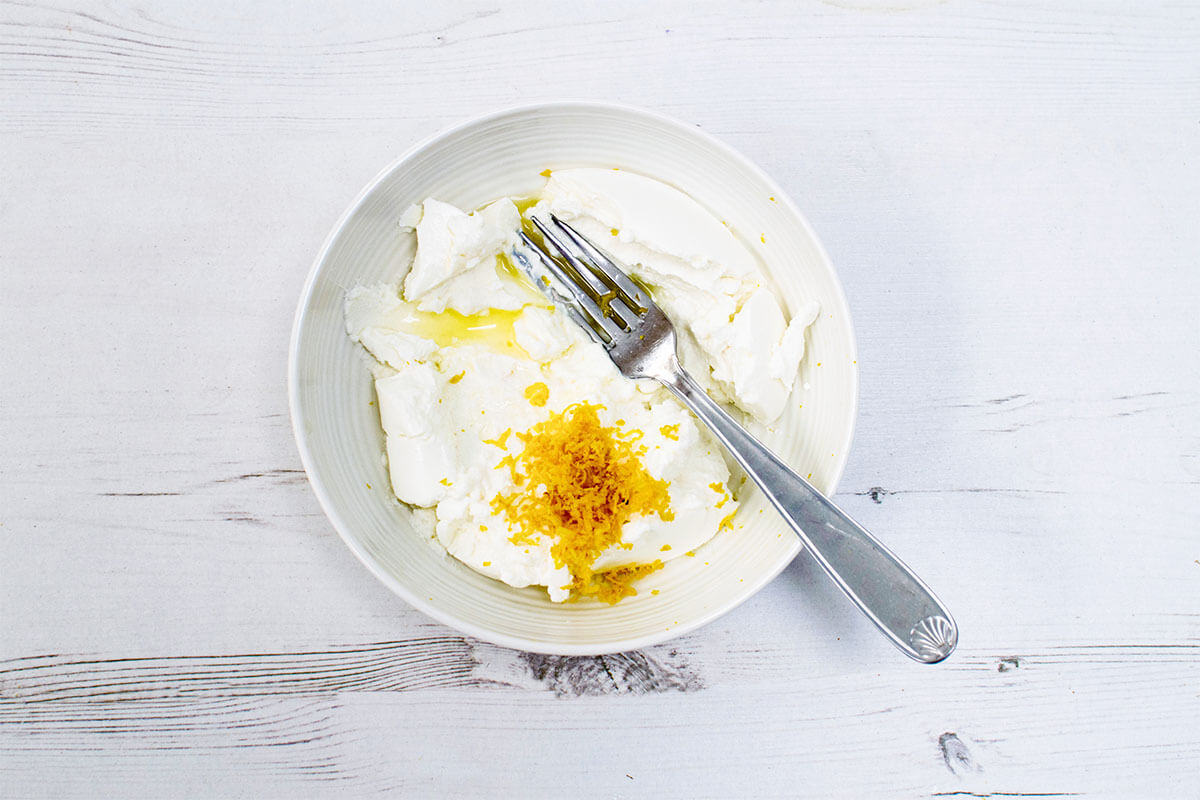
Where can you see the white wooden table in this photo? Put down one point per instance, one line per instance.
(1010, 193)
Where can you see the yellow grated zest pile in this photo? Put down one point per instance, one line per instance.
(578, 483)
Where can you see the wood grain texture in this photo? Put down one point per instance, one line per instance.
(1009, 193)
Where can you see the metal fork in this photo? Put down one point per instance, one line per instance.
(621, 316)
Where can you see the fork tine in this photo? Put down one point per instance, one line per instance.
(586, 277)
(605, 268)
(578, 303)
(586, 280)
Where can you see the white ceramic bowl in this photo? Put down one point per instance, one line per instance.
(337, 426)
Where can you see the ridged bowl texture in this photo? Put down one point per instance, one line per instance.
(337, 426)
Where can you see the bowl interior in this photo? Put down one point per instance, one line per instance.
(337, 426)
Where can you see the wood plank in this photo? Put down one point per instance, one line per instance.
(1073, 716)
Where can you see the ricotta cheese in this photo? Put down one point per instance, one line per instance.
(471, 364)
(734, 338)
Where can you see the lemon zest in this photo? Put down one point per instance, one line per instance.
(578, 482)
(614, 585)
(537, 394)
(500, 441)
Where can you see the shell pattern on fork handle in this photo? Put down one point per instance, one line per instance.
(886, 590)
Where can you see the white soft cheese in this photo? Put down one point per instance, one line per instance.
(442, 451)
(445, 404)
(734, 338)
(413, 421)
(374, 317)
(455, 265)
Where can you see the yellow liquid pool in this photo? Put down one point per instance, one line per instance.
(492, 329)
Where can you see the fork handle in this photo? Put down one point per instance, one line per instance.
(879, 583)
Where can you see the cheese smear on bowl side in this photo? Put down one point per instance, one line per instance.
(543, 465)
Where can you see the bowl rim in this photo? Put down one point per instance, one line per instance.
(343, 527)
